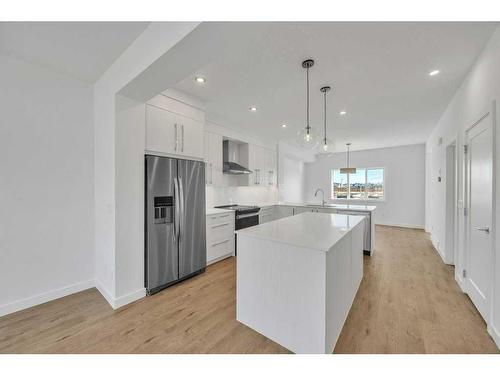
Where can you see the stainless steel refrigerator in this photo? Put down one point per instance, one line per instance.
(175, 231)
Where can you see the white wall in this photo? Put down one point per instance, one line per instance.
(292, 188)
(404, 182)
(148, 48)
(291, 172)
(46, 185)
(477, 94)
(129, 155)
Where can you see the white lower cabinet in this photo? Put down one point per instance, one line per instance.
(267, 214)
(220, 236)
(284, 211)
(298, 210)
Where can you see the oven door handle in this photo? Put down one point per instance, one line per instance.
(243, 216)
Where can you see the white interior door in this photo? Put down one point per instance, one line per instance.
(451, 204)
(479, 158)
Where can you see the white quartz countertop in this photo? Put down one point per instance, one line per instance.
(318, 231)
(215, 211)
(353, 207)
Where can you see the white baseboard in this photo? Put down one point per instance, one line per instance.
(460, 282)
(107, 295)
(410, 226)
(440, 254)
(495, 335)
(25, 303)
(220, 258)
(129, 298)
(116, 303)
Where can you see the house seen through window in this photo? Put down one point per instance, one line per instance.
(366, 183)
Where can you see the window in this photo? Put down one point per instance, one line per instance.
(366, 183)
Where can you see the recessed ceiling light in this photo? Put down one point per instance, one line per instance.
(343, 113)
(253, 109)
(283, 125)
(200, 80)
(434, 72)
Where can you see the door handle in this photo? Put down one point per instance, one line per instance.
(211, 174)
(176, 207)
(182, 133)
(484, 229)
(182, 216)
(176, 138)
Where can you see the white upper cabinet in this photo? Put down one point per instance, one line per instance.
(190, 138)
(213, 158)
(174, 128)
(161, 130)
(262, 163)
(270, 173)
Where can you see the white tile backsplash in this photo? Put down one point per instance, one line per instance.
(247, 195)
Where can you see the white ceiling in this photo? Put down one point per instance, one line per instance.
(81, 49)
(378, 71)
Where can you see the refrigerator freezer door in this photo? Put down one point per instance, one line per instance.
(161, 248)
(192, 239)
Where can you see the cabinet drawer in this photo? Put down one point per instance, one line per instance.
(220, 218)
(266, 217)
(220, 230)
(220, 248)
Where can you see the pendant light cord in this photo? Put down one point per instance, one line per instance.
(325, 118)
(307, 101)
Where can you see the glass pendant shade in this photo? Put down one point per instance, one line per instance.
(325, 148)
(307, 138)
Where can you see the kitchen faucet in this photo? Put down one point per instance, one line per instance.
(323, 199)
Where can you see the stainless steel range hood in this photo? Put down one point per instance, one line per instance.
(230, 159)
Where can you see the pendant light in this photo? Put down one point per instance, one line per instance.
(307, 137)
(325, 147)
(348, 170)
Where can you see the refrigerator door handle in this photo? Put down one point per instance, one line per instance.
(177, 209)
(182, 133)
(181, 230)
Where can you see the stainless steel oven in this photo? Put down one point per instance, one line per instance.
(245, 216)
(246, 220)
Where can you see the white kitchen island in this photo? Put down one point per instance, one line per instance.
(297, 278)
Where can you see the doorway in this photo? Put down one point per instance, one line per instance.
(479, 216)
(451, 204)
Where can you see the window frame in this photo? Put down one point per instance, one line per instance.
(332, 192)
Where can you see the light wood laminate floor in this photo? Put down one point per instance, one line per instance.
(408, 302)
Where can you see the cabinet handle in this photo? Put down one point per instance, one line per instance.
(211, 174)
(219, 217)
(182, 133)
(176, 138)
(219, 243)
(219, 225)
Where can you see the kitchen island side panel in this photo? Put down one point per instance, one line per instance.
(344, 263)
(281, 293)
